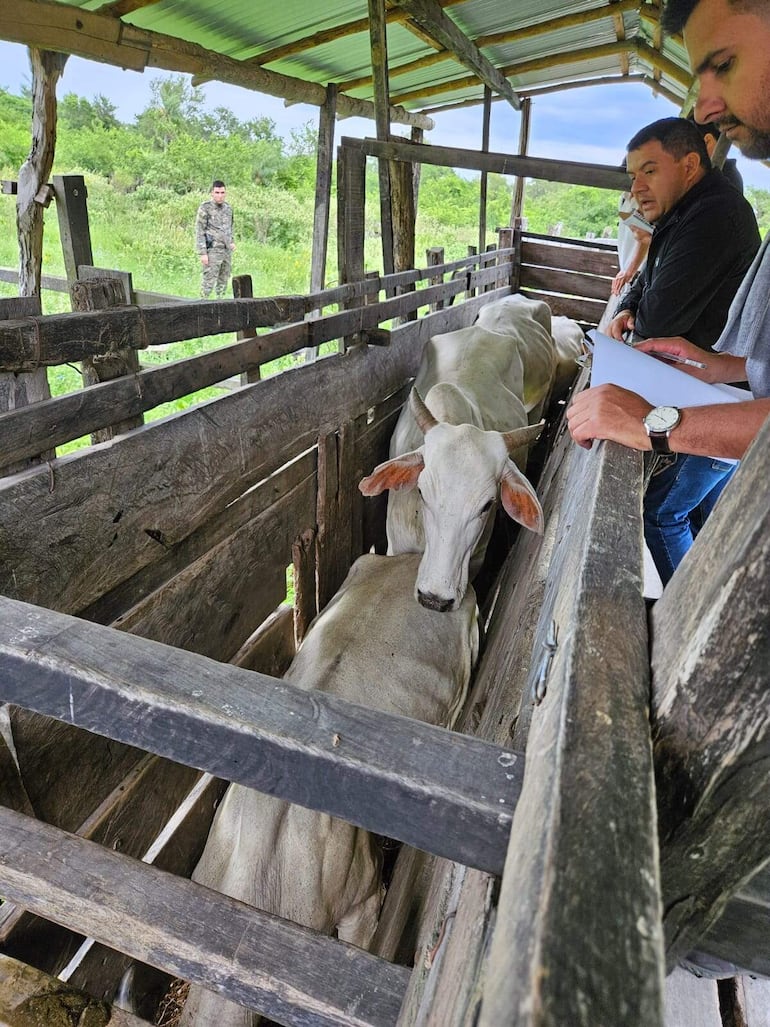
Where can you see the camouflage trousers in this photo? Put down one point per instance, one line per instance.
(216, 272)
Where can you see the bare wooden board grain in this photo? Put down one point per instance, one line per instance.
(578, 937)
(193, 932)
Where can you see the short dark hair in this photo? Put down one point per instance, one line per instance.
(677, 136)
(677, 13)
(218, 184)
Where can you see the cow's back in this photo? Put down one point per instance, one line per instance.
(374, 645)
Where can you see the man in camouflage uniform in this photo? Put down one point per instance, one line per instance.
(214, 240)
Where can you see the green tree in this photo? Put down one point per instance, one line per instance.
(174, 110)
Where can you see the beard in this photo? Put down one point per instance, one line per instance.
(756, 141)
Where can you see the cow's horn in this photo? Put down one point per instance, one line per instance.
(519, 437)
(423, 416)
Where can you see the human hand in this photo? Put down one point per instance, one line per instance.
(621, 279)
(679, 347)
(205, 259)
(620, 324)
(609, 412)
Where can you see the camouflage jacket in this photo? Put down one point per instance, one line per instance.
(213, 226)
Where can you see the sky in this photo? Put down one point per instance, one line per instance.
(591, 124)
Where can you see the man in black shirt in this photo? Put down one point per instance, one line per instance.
(704, 241)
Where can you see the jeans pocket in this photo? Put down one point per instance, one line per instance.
(722, 465)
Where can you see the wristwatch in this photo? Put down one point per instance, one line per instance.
(659, 424)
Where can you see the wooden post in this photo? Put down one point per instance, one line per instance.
(32, 196)
(505, 239)
(483, 181)
(472, 252)
(323, 189)
(379, 48)
(101, 290)
(72, 210)
(518, 187)
(417, 135)
(711, 716)
(402, 196)
(19, 389)
(303, 555)
(351, 196)
(434, 256)
(243, 289)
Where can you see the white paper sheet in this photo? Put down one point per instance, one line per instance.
(659, 383)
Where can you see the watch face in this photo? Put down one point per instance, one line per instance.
(662, 418)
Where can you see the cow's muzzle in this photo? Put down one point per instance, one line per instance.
(434, 602)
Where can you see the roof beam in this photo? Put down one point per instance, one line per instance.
(117, 8)
(99, 37)
(331, 35)
(559, 60)
(429, 16)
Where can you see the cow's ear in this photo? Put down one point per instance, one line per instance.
(400, 473)
(520, 500)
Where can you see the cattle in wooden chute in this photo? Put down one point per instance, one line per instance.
(375, 646)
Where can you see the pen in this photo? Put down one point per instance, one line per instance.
(681, 360)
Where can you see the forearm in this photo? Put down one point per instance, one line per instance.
(724, 430)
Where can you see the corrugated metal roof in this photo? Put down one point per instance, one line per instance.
(534, 43)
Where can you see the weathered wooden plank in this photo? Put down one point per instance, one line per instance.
(440, 791)
(585, 311)
(570, 282)
(29, 343)
(740, 935)
(127, 820)
(578, 937)
(254, 959)
(710, 668)
(56, 421)
(28, 996)
(569, 257)
(245, 578)
(576, 173)
(215, 532)
(72, 212)
(360, 318)
(97, 536)
(271, 648)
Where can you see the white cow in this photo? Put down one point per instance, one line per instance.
(444, 486)
(375, 646)
(528, 322)
(568, 338)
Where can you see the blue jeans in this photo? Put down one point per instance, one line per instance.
(681, 494)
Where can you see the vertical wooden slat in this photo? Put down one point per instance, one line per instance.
(379, 48)
(72, 210)
(243, 289)
(25, 387)
(483, 182)
(323, 186)
(351, 195)
(578, 937)
(434, 256)
(303, 558)
(517, 204)
(101, 293)
(711, 715)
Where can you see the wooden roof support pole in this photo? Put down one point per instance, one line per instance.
(379, 46)
(518, 188)
(323, 196)
(18, 390)
(74, 230)
(323, 189)
(484, 174)
(711, 716)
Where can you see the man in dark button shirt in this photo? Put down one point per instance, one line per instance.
(705, 238)
(704, 241)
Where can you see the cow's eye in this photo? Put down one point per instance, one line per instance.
(486, 507)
